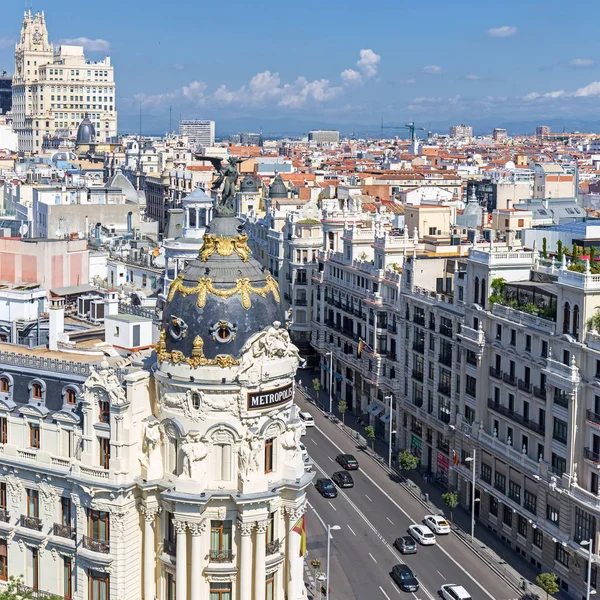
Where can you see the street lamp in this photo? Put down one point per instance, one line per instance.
(330, 354)
(472, 459)
(390, 398)
(589, 590)
(330, 528)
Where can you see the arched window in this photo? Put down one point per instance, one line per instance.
(575, 327)
(36, 391)
(483, 293)
(566, 317)
(4, 385)
(196, 400)
(476, 292)
(70, 397)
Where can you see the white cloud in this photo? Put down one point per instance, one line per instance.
(408, 81)
(351, 77)
(581, 62)
(591, 89)
(97, 45)
(504, 31)
(6, 42)
(368, 62)
(428, 100)
(178, 67)
(433, 69)
(472, 77)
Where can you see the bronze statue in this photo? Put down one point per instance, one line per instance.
(228, 176)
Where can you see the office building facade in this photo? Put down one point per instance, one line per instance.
(199, 132)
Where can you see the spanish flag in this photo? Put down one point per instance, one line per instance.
(300, 528)
(362, 345)
(455, 458)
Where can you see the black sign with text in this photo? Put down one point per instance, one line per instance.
(269, 398)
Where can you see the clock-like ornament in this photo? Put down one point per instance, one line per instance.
(37, 37)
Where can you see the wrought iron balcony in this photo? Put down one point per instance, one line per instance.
(496, 373)
(31, 522)
(539, 392)
(590, 415)
(561, 398)
(525, 386)
(64, 531)
(518, 418)
(508, 378)
(591, 455)
(95, 545)
(170, 547)
(273, 547)
(28, 592)
(221, 556)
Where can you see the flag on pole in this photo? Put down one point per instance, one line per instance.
(455, 458)
(362, 345)
(300, 528)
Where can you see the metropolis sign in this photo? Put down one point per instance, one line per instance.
(269, 398)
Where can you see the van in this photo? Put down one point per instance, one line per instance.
(451, 591)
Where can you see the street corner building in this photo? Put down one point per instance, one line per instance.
(174, 476)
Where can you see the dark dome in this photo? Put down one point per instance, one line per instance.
(220, 300)
(249, 184)
(278, 189)
(86, 132)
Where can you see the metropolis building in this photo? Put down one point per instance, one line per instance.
(176, 477)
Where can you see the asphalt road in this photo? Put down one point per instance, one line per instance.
(371, 516)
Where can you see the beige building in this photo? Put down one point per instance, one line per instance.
(53, 89)
(428, 219)
(511, 222)
(552, 181)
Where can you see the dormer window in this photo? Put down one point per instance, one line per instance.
(70, 397)
(4, 385)
(104, 411)
(36, 391)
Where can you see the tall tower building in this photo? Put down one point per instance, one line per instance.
(199, 132)
(53, 89)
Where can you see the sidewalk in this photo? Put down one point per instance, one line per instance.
(500, 557)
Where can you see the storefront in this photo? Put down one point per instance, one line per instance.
(443, 465)
(376, 410)
(416, 446)
(389, 422)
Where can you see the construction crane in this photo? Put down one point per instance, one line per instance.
(412, 128)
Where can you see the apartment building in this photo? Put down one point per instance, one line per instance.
(199, 132)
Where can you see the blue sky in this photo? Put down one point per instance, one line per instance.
(338, 61)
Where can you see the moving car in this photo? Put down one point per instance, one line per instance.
(343, 479)
(347, 461)
(406, 545)
(451, 591)
(422, 534)
(306, 418)
(437, 524)
(405, 578)
(326, 488)
(303, 452)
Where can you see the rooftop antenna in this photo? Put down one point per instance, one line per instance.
(140, 120)
(170, 119)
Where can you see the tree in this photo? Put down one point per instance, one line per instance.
(559, 250)
(592, 256)
(450, 499)
(547, 581)
(575, 252)
(13, 591)
(342, 407)
(544, 248)
(407, 461)
(316, 386)
(497, 286)
(370, 433)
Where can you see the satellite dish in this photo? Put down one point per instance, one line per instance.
(23, 229)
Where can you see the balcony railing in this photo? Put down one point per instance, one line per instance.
(446, 359)
(418, 375)
(591, 455)
(508, 378)
(496, 373)
(525, 386)
(25, 591)
(518, 418)
(561, 398)
(31, 522)
(64, 531)
(273, 547)
(221, 556)
(444, 389)
(90, 543)
(593, 417)
(170, 547)
(539, 392)
(4, 515)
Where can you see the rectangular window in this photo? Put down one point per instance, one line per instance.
(104, 452)
(486, 472)
(500, 482)
(552, 514)
(99, 585)
(33, 503)
(171, 591)
(528, 343)
(104, 410)
(530, 502)
(65, 511)
(269, 455)
(3, 431)
(514, 491)
(493, 506)
(559, 464)
(562, 555)
(585, 527)
(507, 517)
(36, 391)
(3, 561)
(67, 578)
(522, 526)
(35, 569)
(99, 525)
(270, 587)
(538, 538)
(559, 431)
(220, 591)
(34, 435)
(220, 539)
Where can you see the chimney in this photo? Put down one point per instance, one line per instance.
(129, 215)
(111, 303)
(87, 226)
(57, 321)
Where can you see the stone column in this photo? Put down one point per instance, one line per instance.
(149, 554)
(259, 560)
(196, 530)
(245, 564)
(181, 560)
(293, 554)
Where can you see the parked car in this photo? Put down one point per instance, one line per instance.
(405, 578)
(406, 545)
(343, 479)
(347, 461)
(437, 524)
(451, 591)
(326, 488)
(306, 418)
(422, 534)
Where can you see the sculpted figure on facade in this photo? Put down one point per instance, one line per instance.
(195, 451)
(151, 441)
(104, 380)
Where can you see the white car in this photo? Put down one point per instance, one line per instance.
(437, 524)
(306, 418)
(451, 591)
(303, 452)
(422, 534)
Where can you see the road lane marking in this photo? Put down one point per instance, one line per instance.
(383, 592)
(313, 441)
(317, 515)
(392, 522)
(369, 499)
(448, 555)
(350, 528)
(331, 459)
(332, 506)
(441, 575)
(372, 557)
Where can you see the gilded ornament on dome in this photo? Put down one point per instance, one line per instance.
(197, 359)
(225, 246)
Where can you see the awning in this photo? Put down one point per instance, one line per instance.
(374, 409)
(385, 418)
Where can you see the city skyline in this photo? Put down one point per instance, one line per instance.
(396, 65)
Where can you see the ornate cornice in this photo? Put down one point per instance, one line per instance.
(197, 528)
(245, 527)
(180, 526)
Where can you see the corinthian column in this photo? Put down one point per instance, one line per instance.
(181, 561)
(293, 554)
(196, 529)
(259, 560)
(245, 565)
(149, 546)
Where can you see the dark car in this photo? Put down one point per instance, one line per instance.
(326, 488)
(347, 461)
(405, 578)
(343, 479)
(406, 544)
